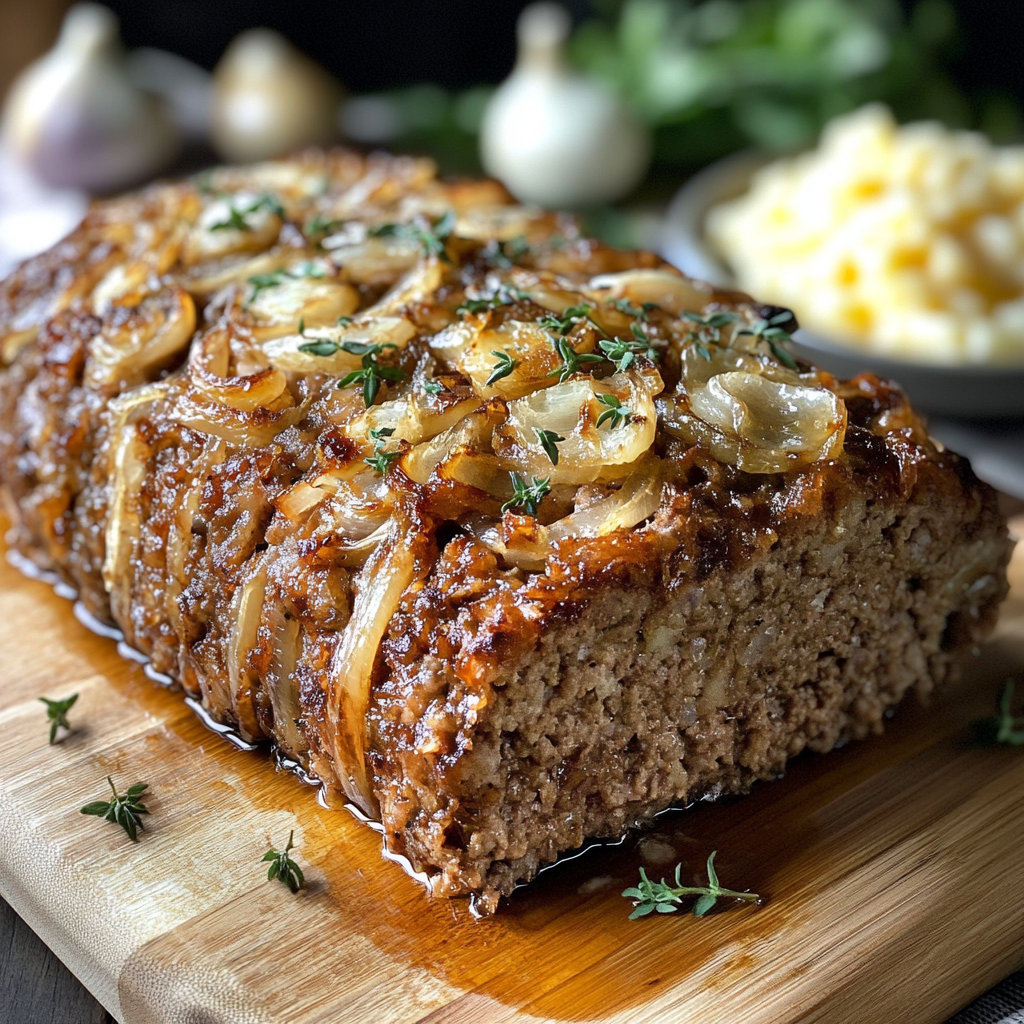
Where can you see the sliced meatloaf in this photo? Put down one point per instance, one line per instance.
(508, 537)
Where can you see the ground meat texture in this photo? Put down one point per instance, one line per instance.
(502, 739)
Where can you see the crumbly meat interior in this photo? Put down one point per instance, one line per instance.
(509, 537)
(675, 680)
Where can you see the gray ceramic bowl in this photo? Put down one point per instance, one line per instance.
(988, 392)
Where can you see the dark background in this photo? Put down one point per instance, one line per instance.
(377, 44)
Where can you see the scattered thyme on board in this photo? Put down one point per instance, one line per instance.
(57, 714)
(283, 868)
(665, 898)
(1006, 728)
(122, 810)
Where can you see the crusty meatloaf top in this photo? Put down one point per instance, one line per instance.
(386, 361)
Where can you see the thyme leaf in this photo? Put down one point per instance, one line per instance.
(707, 331)
(651, 896)
(283, 868)
(636, 312)
(381, 460)
(615, 413)
(572, 360)
(122, 810)
(502, 368)
(261, 282)
(527, 496)
(431, 234)
(549, 442)
(774, 336)
(57, 714)
(1006, 727)
(237, 218)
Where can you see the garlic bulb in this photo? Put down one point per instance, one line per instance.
(269, 99)
(75, 118)
(553, 136)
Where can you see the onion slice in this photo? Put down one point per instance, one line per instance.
(380, 585)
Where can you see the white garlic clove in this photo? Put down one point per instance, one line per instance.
(75, 118)
(553, 136)
(269, 99)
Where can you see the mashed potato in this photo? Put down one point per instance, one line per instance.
(908, 241)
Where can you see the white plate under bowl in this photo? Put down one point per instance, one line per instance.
(985, 392)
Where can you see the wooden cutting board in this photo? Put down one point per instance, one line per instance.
(892, 871)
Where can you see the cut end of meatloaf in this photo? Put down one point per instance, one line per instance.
(568, 713)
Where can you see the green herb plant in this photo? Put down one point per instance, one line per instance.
(283, 868)
(649, 896)
(57, 714)
(122, 810)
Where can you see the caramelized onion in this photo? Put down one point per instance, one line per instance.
(757, 424)
(284, 352)
(665, 288)
(387, 574)
(572, 410)
(526, 543)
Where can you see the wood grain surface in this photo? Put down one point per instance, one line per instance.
(892, 872)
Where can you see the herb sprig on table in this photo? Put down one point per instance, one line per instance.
(283, 868)
(122, 810)
(665, 899)
(1006, 727)
(57, 714)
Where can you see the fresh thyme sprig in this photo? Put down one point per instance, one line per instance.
(237, 216)
(665, 898)
(549, 442)
(636, 312)
(372, 372)
(505, 254)
(122, 810)
(615, 413)
(708, 330)
(1006, 728)
(504, 296)
(57, 714)
(381, 460)
(502, 368)
(261, 282)
(774, 335)
(431, 234)
(571, 359)
(570, 317)
(283, 868)
(623, 351)
(321, 225)
(527, 496)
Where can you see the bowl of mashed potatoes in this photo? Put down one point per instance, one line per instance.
(901, 250)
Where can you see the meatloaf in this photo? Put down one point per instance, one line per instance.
(509, 538)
